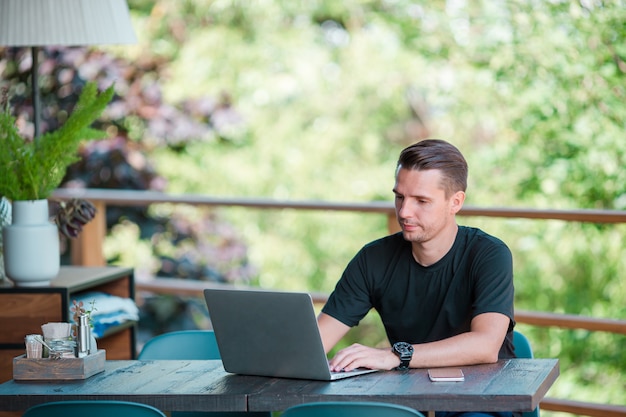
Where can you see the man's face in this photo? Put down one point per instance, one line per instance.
(422, 208)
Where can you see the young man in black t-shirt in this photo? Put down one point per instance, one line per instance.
(444, 292)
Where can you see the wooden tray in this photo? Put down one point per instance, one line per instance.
(64, 369)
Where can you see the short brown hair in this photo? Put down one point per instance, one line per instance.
(437, 154)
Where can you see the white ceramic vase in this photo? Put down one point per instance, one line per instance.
(31, 245)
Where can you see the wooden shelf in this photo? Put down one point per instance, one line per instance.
(24, 309)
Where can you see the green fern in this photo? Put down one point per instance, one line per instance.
(31, 170)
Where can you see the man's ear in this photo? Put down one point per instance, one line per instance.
(456, 202)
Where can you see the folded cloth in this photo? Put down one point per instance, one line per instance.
(107, 310)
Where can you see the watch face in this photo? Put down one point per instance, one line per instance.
(403, 348)
(405, 351)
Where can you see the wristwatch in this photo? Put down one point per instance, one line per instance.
(404, 351)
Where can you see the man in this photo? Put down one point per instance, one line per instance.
(444, 292)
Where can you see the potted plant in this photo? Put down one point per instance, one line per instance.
(29, 171)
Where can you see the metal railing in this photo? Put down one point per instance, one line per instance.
(87, 251)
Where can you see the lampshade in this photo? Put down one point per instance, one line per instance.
(64, 22)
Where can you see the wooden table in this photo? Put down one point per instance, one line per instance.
(512, 385)
(516, 385)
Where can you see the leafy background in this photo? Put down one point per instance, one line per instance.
(314, 100)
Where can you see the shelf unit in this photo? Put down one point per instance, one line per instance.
(24, 309)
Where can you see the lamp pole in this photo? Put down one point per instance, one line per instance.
(34, 71)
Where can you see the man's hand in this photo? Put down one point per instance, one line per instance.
(359, 356)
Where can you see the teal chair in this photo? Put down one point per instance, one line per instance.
(189, 345)
(522, 346)
(181, 345)
(95, 408)
(350, 409)
(524, 350)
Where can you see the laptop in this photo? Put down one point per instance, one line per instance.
(270, 333)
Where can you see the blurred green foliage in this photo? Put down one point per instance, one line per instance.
(532, 92)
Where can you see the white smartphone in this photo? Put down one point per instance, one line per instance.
(446, 375)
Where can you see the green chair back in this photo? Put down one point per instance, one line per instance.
(522, 346)
(523, 349)
(350, 409)
(181, 345)
(95, 408)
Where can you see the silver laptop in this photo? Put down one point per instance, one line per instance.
(269, 333)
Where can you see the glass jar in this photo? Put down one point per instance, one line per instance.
(60, 348)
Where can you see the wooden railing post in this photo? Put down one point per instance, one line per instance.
(87, 247)
(392, 224)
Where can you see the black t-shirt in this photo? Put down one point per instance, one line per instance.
(420, 304)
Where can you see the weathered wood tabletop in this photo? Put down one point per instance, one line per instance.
(510, 385)
(516, 385)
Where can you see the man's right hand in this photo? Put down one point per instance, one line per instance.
(359, 356)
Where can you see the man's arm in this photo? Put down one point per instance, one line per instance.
(331, 330)
(480, 345)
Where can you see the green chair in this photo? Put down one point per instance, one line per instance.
(189, 345)
(350, 409)
(524, 350)
(522, 346)
(95, 408)
(181, 345)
